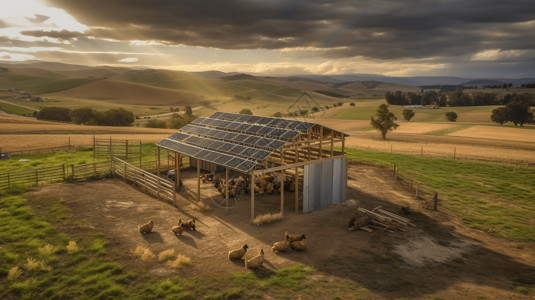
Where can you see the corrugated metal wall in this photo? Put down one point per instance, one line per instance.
(324, 183)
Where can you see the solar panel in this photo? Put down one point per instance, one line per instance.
(253, 119)
(236, 161)
(253, 129)
(233, 125)
(277, 132)
(216, 115)
(263, 142)
(223, 159)
(264, 120)
(240, 138)
(220, 134)
(225, 147)
(265, 130)
(179, 136)
(202, 154)
(213, 155)
(237, 149)
(248, 152)
(290, 134)
(251, 140)
(243, 127)
(276, 144)
(199, 120)
(246, 166)
(261, 155)
(243, 118)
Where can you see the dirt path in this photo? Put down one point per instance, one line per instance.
(439, 257)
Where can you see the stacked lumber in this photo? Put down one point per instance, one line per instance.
(378, 219)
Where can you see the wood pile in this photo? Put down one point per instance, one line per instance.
(378, 219)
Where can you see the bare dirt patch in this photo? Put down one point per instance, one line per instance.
(439, 257)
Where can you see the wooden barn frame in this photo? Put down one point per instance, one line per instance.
(254, 145)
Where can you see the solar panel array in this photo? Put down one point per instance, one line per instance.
(232, 140)
(266, 121)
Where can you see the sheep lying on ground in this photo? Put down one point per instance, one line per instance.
(190, 224)
(237, 253)
(294, 237)
(145, 228)
(281, 246)
(255, 262)
(299, 245)
(178, 230)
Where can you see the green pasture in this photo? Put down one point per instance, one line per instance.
(15, 109)
(495, 198)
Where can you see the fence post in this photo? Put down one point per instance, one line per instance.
(454, 152)
(422, 150)
(72, 171)
(8, 181)
(37, 176)
(435, 201)
(63, 167)
(417, 190)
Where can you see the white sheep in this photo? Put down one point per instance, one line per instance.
(281, 246)
(145, 228)
(255, 262)
(237, 253)
(178, 230)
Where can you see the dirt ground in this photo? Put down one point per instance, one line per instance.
(438, 257)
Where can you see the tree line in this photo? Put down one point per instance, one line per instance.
(87, 116)
(455, 98)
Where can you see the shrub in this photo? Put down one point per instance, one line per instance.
(246, 111)
(54, 114)
(144, 253)
(180, 261)
(14, 273)
(267, 218)
(167, 255)
(155, 123)
(451, 116)
(72, 248)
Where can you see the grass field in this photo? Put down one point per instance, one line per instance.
(489, 197)
(15, 109)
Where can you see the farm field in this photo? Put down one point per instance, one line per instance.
(423, 263)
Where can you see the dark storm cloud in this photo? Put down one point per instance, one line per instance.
(63, 34)
(384, 29)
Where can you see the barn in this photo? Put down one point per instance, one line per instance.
(309, 155)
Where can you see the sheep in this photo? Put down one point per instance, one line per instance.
(294, 237)
(145, 228)
(255, 262)
(281, 246)
(237, 253)
(178, 230)
(299, 245)
(190, 224)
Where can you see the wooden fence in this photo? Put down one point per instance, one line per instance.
(33, 176)
(148, 182)
(40, 150)
(83, 172)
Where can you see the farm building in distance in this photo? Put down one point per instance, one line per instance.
(311, 155)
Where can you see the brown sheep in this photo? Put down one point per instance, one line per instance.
(294, 237)
(178, 230)
(299, 245)
(255, 262)
(237, 253)
(190, 224)
(145, 228)
(281, 246)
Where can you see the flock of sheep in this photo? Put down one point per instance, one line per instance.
(294, 241)
(267, 184)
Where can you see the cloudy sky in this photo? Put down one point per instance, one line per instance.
(390, 37)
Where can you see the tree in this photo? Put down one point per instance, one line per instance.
(54, 114)
(408, 114)
(385, 120)
(155, 123)
(277, 114)
(352, 104)
(246, 111)
(451, 116)
(116, 117)
(519, 112)
(315, 109)
(500, 115)
(189, 111)
(84, 115)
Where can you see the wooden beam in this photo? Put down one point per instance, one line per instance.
(252, 196)
(198, 180)
(226, 186)
(299, 164)
(282, 192)
(321, 143)
(157, 162)
(296, 179)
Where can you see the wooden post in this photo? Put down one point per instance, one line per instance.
(198, 180)
(417, 190)
(177, 170)
(332, 142)
(435, 201)
(296, 179)
(158, 162)
(422, 150)
(282, 192)
(454, 152)
(69, 146)
(321, 143)
(252, 196)
(140, 153)
(8, 181)
(94, 147)
(63, 166)
(126, 149)
(72, 172)
(226, 186)
(37, 176)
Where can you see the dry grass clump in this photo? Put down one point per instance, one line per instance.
(32, 264)
(267, 218)
(144, 253)
(180, 261)
(46, 249)
(167, 255)
(72, 248)
(14, 273)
